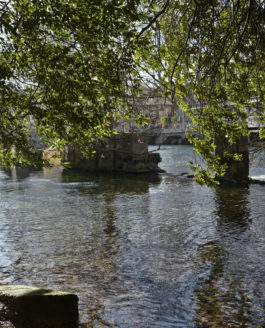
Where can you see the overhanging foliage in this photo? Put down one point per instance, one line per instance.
(66, 67)
(213, 50)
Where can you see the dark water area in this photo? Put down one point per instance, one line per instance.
(140, 251)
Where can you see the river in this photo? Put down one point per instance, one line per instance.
(141, 251)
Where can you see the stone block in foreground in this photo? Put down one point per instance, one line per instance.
(39, 307)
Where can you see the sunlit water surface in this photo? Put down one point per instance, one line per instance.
(141, 251)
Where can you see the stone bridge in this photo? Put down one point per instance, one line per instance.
(168, 137)
(177, 135)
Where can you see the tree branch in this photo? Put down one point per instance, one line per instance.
(153, 20)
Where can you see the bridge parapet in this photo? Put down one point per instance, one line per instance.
(255, 123)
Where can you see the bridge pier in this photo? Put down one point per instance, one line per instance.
(237, 170)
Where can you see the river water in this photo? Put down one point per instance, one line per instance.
(141, 251)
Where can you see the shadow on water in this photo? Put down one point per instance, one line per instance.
(108, 183)
(222, 298)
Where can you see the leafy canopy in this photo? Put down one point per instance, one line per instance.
(66, 68)
(213, 50)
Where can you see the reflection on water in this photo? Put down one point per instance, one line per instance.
(232, 210)
(113, 182)
(223, 299)
(140, 251)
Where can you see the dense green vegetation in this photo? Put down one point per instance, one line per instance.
(213, 50)
(67, 66)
